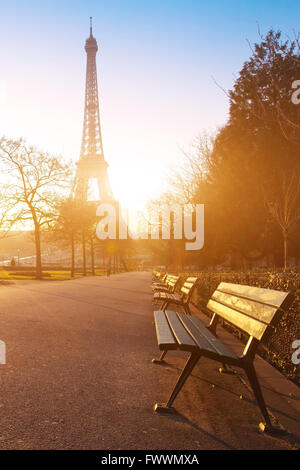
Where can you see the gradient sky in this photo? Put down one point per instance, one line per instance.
(155, 64)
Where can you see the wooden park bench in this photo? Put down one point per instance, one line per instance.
(254, 310)
(169, 285)
(182, 299)
(159, 281)
(156, 275)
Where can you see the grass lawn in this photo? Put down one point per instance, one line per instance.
(49, 275)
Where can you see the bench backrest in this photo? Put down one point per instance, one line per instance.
(157, 274)
(172, 281)
(162, 278)
(254, 310)
(188, 287)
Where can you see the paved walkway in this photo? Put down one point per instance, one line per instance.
(79, 375)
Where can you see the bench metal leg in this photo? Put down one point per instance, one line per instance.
(251, 374)
(161, 359)
(224, 370)
(189, 366)
(187, 309)
(164, 306)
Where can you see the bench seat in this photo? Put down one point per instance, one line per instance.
(158, 283)
(157, 289)
(176, 330)
(167, 296)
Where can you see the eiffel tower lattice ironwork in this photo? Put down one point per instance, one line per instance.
(92, 165)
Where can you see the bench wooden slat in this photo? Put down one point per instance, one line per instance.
(188, 285)
(266, 296)
(166, 295)
(261, 312)
(157, 289)
(190, 281)
(185, 290)
(184, 340)
(215, 342)
(252, 326)
(158, 284)
(199, 338)
(165, 339)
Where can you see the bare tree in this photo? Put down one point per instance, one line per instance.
(7, 219)
(37, 179)
(196, 164)
(68, 226)
(88, 229)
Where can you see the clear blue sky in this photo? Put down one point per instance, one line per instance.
(155, 65)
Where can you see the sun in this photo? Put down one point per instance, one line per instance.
(134, 188)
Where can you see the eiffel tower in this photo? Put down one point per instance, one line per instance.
(92, 167)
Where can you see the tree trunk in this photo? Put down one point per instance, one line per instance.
(83, 254)
(38, 259)
(285, 250)
(123, 263)
(72, 256)
(92, 257)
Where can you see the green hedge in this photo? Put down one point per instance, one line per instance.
(278, 350)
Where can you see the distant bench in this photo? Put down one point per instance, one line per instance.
(158, 276)
(182, 299)
(254, 310)
(169, 284)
